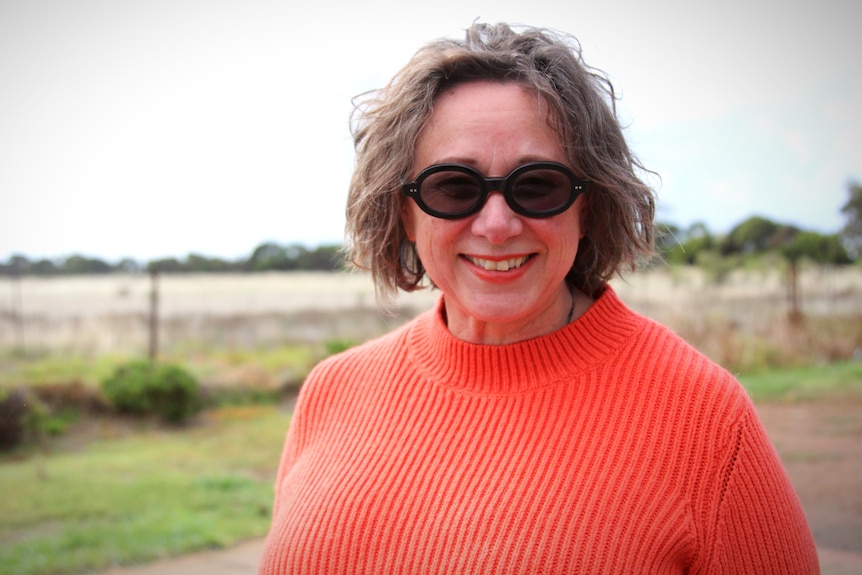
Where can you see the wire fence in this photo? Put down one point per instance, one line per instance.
(138, 313)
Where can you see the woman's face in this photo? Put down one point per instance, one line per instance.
(502, 274)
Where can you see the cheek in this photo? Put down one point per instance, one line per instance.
(565, 236)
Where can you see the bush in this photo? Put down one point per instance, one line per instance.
(144, 388)
(21, 415)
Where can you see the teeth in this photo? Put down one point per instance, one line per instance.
(499, 266)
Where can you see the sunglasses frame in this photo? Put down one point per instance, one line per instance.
(488, 185)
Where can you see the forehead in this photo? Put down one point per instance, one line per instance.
(486, 122)
(484, 95)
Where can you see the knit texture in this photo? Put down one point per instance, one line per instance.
(609, 446)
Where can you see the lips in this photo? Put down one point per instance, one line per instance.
(503, 265)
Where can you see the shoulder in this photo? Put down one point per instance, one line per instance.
(651, 349)
(690, 375)
(655, 364)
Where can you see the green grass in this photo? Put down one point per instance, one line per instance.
(833, 381)
(141, 497)
(283, 363)
(290, 361)
(37, 368)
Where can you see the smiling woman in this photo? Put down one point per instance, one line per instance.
(530, 422)
(503, 272)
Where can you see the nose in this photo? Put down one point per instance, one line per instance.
(496, 221)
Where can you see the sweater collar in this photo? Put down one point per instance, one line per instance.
(523, 366)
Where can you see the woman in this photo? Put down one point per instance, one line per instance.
(530, 422)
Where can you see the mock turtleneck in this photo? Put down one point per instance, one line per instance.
(583, 344)
(608, 446)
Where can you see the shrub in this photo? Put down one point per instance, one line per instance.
(144, 388)
(175, 392)
(126, 388)
(21, 415)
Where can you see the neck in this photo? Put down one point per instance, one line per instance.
(568, 306)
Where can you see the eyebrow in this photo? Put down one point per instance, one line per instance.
(471, 162)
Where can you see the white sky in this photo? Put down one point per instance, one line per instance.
(157, 128)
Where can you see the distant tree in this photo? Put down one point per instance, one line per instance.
(784, 234)
(819, 248)
(331, 257)
(128, 265)
(698, 230)
(695, 241)
(44, 267)
(19, 265)
(269, 256)
(77, 264)
(667, 236)
(756, 234)
(851, 233)
(298, 256)
(165, 265)
(199, 263)
(322, 258)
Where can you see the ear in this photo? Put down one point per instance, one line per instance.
(583, 215)
(407, 220)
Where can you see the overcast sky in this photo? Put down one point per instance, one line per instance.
(158, 128)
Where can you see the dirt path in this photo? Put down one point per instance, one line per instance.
(821, 446)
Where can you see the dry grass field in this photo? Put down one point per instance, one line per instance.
(745, 314)
(98, 314)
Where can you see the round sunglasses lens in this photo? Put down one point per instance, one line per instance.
(450, 192)
(541, 190)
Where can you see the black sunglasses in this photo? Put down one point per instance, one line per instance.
(535, 190)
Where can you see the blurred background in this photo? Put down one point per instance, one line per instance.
(172, 185)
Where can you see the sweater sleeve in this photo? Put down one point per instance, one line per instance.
(759, 523)
(295, 437)
(288, 455)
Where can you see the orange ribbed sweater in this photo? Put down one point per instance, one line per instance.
(607, 447)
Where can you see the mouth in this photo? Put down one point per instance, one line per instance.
(503, 265)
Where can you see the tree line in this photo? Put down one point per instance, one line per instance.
(695, 245)
(758, 235)
(268, 256)
(755, 236)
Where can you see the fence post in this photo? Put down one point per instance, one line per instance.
(795, 312)
(154, 313)
(18, 310)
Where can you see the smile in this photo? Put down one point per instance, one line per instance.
(498, 265)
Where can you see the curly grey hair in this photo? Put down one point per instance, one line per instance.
(386, 123)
